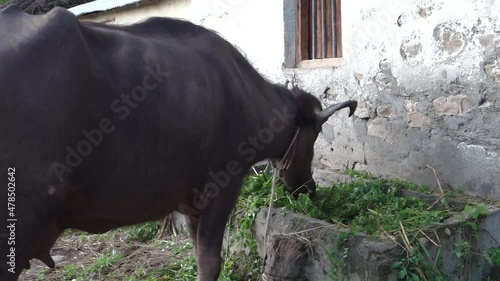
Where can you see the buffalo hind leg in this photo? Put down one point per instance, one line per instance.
(211, 226)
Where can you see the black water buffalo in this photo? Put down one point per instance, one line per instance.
(106, 126)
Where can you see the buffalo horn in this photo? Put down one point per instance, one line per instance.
(327, 112)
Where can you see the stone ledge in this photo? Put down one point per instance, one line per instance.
(371, 258)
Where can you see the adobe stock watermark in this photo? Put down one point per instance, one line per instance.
(376, 26)
(221, 7)
(122, 107)
(247, 148)
(11, 219)
(29, 29)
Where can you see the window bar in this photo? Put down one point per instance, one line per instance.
(334, 28)
(313, 25)
(323, 29)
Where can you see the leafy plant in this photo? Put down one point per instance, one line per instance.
(143, 232)
(465, 250)
(417, 265)
(368, 204)
(105, 262)
(182, 270)
(246, 264)
(476, 212)
(493, 256)
(176, 247)
(72, 273)
(337, 259)
(463, 253)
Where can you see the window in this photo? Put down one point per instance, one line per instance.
(318, 36)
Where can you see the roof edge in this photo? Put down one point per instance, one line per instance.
(101, 6)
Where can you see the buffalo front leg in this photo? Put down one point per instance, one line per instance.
(211, 225)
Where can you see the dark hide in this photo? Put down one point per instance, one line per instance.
(112, 126)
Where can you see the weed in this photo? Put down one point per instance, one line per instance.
(417, 265)
(367, 204)
(42, 275)
(337, 259)
(143, 232)
(242, 267)
(246, 264)
(176, 247)
(99, 268)
(476, 212)
(493, 256)
(72, 273)
(182, 270)
(104, 263)
(465, 250)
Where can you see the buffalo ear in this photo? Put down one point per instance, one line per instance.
(322, 116)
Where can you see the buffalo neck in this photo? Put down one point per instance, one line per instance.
(278, 123)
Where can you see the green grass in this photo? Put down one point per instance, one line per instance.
(493, 256)
(143, 232)
(100, 268)
(366, 203)
(176, 247)
(4, 1)
(374, 206)
(105, 262)
(182, 270)
(180, 266)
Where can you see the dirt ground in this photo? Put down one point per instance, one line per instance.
(85, 257)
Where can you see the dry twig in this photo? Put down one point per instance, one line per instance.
(440, 188)
(406, 241)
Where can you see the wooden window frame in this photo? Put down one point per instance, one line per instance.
(307, 54)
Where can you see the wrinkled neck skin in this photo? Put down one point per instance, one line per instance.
(277, 128)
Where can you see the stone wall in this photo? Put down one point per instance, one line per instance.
(366, 258)
(426, 74)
